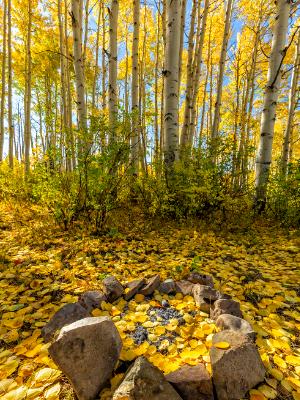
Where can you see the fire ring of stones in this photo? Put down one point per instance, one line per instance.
(87, 348)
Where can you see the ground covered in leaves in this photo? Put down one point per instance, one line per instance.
(42, 268)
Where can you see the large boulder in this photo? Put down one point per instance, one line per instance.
(224, 306)
(184, 287)
(68, 314)
(151, 285)
(112, 288)
(230, 322)
(236, 369)
(133, 287)
(192, 382)
(87, 352)
(92, 299)
(143, 381)
(202, 279)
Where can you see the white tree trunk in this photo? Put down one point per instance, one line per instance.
(216, 121)
(278, 52)
(78, 64)
(27, 95)
(171, 73)
(113, 65)
(3, 79)
(189, 79)
(135, 86)
(292, 106)
(197, 73)
(11, 129)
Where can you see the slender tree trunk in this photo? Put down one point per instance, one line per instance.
(197, 72)
(278, 52)
(156, 128)
(3, 80)
(79, 76)
(292, 106)
(216, 121)
(182, 31)
(184, 140)
(103, 59)
(135, 86)
(11, 128)
(171, 84)
(96, 71)
(113, 66)
(27, 123)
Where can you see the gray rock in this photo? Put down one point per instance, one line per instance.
(230, 322)
(143, 381)
(237, 369)
(68, 314)
(92, 299)
(184, 287)
(151, 285)
(202, 279)
(192, 382)
(134, 287)
(87, 352)
(224, 306)
(206, 292)
(167, 286)
(112, 288)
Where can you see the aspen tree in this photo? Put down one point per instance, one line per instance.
(197, 72)
(184, 139)
(103, 62)
(113, 66)
(135, 86)
(216, 120)
(79, 75)
(292, 106)
(96, 70)
(11, 129)
(3, 80)
(27, 95)
(171, 73)
(278, 52)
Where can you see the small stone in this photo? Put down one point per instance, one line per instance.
(236, 369)
(92, 299)
(184, 287)
(165, 303)
(205, 292)
(192, 382)
(68, 314)
(202, 279)
(227, 321)
(167, 286)
(143, 381)
(133, 287)
(112, 288)
(87, 352)
(224, 306)
(151, 285)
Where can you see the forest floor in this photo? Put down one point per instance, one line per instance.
(42, 268)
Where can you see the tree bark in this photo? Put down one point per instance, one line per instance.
(135, 86)
(27, 96)
(11, 129)
(216, 120)
(291, 112)
(278, 52)
(171, 74)
(3, 80)
(113, 67)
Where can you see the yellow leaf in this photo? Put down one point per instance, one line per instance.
(139, 298)
(268, 392)
(222, 345)
(276, 373)
(293, 360)
(279, 361)
(45, 375)
(296, 395)
(15, 323)
(16, 394)
(52, 392)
